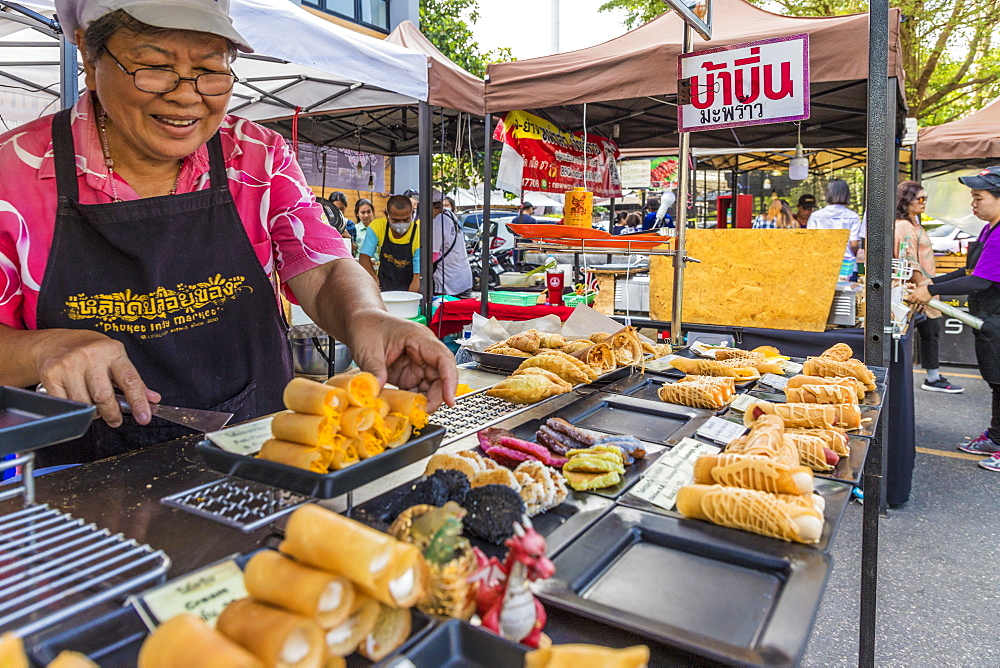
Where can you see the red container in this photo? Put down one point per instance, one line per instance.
(554, 283)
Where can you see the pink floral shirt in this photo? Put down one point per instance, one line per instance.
(278, 210)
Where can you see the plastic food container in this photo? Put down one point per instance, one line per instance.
(403, 304)
(513, 279)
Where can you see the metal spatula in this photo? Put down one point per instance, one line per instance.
(199, 420)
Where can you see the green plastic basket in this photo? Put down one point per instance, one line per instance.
(514, 298)
(576, 300)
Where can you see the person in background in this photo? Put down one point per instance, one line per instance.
(619, 222)
(649, 220)
(339, 200)
(451, 270)
(364, 212)
(449, 204)
(980, 279)
(414, 196)
(807, 204)
(778, 216)
(526, 216)
(395, 241)
(836, 216)
(912, 244)
(633, 223)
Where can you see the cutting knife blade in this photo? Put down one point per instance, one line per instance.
(193, 418)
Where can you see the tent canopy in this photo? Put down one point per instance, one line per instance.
(823, 159)
(972, 141)
(630, 81)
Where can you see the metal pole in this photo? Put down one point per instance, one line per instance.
(68, 91)
(683, 175)
(426, 137)
(878, 283)
(485, 239)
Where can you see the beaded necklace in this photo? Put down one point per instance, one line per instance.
(110, 163)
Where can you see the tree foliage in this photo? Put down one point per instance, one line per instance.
(446, 24)
(950, 47)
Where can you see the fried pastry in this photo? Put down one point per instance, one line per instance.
(503, 349)
(582, 482)
(592, 464)
(574, 372)
(840, 352)
(275, 636)
(526, 389)
(828, 367)
(813, 452)
(470, 467)
(310, 458)
(499, 476)
(412, 405)
(821, 394)
(627, 346)
(835, 439)
(762, 365)
(529, 341)
(753, 472)
(544, 373)
(714, 368)
(315, 430)
(307, 396)
(853, 384)
(362, 388)
(751, 510)
(547, 340)
(570, 359)
(736, 353)
(766, 439)
(601, 358)
(657, 350)
(695, 394)
(807, 416)
(571, 347)
(599, 337)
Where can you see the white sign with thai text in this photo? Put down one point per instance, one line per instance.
(744, 84)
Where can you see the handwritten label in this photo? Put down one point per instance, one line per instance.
(742, 402)
(702, 349)
(721, 431)
(790, 367)
(673, 470)
(204, 593)
(773, 380)
(244, 439)
(662, 364)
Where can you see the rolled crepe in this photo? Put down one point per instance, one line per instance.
(382, 406)
(275, 636)
(362, 388)
(751, 510)
(276, 579)
(402, 584)
(821, 394)
(69, 659)
(344, 638)
(836, 439)
(753, 472)
(12, 651)
(305, 429)
(398, 430)
(323, 539)
(370, 444)
(356, 420)
(411, 404)
(305, 457)
(813, 452)
(392, 628)
(308, 396)
(807, 416)
(185, 641)
(581, 656)
(344, 453)
(849, 382)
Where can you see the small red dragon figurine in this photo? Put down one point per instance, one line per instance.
(505, 603)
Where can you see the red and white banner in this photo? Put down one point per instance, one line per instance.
(553, 159)
(744, 84)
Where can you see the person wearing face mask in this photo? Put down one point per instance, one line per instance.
(395, 241)
(144, 233)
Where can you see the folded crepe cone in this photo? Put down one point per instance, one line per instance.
(807, 416)
(308, 457)
(831, 368)
(185, 640)
(392, 628)
(316, 430)
(849, 382)
(398, 430)
(331, 542)
(70, 659)
(697, 395)
(344, 638)
(821, 394)
(411, 404)
(839, 351)
(836, 439)
(812, 451)
(362, 388)
(276, 579)
(627, 346)
(713, 368)
(584, 656)
(751, 510)
(307, 396)
(601, 357)
(753, 472)
(275, 636)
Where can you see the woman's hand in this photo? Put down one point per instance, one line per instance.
(87, 366)
(920, 294)
(406, 354)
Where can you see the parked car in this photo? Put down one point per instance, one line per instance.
(949, 239)
(471, 221)
(504, 238)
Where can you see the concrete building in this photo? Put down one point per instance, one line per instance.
(372, 17)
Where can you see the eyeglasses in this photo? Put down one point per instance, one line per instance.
(922, 199)
(150, 80)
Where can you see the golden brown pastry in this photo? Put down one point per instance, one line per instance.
(307, 396)
(766, 438)
(356, 420)
(576, 346)
(753, 472)
(851, 383)
(599, 337)
(601, 358)
(544, 373)
(370, 444)
(751, 510)
(568, 372)
(811, 451)
(587, 656)
(547, 340)
(831, 368)
(657, 350)
(316, 430)
(398, 430)
(588, 373)
(344, 638)
(392, 628)
(184, 641)
(736, 353)
(713, 368)
(273, 578)
(767, 351)
(821, 394)
(70, 659)
(503, 349)
(454, 462)
(627, 346)
(413, 405)
(839, 351)
(762, 365)
(835, 439)
(308, 457)
(529, 341)
(362, 388)
(526, 389)
(275, 636)
(344, 453)
(500, 476)
(694, 394)
(807, 416)
(541, 487)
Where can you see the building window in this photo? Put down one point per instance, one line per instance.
(371, 13)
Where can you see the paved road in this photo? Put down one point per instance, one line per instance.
(939, 581)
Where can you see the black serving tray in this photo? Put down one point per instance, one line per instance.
(559, 525)
(647, 387)
(836, 493)
(322, 485)
(732, 601)
(32, 420)
(650, 421)
(509, 363)
(457, 644)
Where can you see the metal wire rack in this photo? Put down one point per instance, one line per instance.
(240, 504)
(622, 246)
(473, 412)
(52, 566)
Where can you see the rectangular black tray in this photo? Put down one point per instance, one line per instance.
(457, 644)
(650, 421)
(322, 485)
(669, 581)
(644, 386)
(509, 363)
(32, 420)
(836, 493)
(559, 525)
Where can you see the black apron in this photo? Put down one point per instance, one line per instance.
(985, 304)
(395, 262)
(176, 280)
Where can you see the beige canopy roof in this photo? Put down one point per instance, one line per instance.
(449, 85)
(973, 138)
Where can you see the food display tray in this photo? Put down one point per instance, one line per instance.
(742, 602)
(32, 420)
(322, 485)
(559, 525)
(509, 363)
(836, 493)
(643, 386)
(457, 644)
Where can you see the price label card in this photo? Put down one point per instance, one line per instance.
(790, 367)
(742, 402)
(673, 470)
(204, 593)
(662, 364)
(721, 431)
(244, 439)
(773, 380)
(702, 349)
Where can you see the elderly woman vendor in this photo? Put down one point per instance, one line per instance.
(142, 232)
